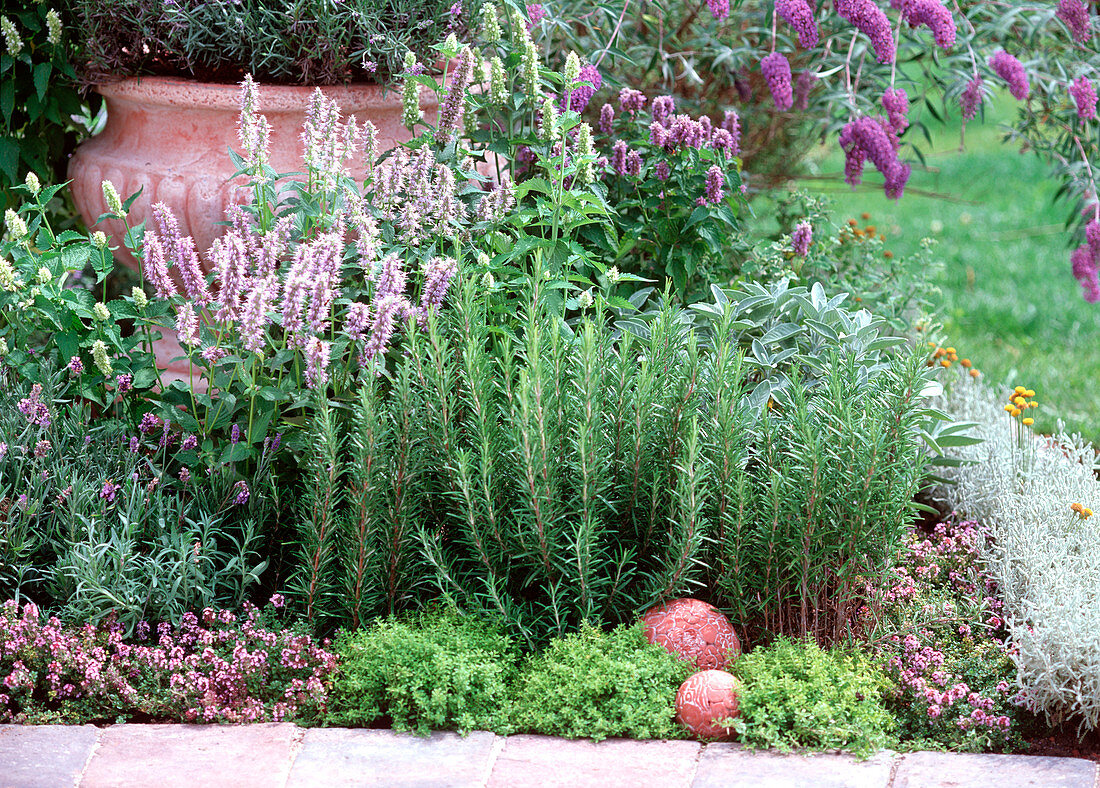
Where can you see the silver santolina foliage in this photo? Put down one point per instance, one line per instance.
(1044, 556)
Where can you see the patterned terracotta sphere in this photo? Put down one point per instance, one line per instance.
(694, 630)
(705, 698)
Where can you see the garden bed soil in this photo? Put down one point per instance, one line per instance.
(1064, 743)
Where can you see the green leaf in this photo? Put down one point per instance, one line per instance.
(42, 73)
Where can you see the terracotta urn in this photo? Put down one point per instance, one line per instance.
(171, 137)
(693, 630)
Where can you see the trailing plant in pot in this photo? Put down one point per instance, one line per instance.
(169, 74)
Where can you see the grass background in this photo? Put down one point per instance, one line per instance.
(1008, 300)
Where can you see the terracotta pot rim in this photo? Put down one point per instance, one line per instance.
(189, 93)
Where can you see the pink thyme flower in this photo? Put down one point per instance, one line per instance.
(896, 104)
(971, 98)
(870, 20)
(801, 238)
(1076, 16)
(799, 14)
(931, 14)
(716, 179)
(777, 71)
(1084, 96)
(1011, 71)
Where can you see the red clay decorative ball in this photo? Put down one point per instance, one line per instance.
(705, 698)
(697, 632)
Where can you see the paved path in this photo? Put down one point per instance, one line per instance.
(285, 756)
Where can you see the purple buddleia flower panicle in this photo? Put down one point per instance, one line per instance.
(777, 72)
(896, 104)
(253, 317)
(867, 138)
(870, 20)
(719, 9)
(391, 277)
(316, 363)
(801, 238)
(607, 119)
(1011, 71)
(1075, 13)
(631, 100)
(799, 14)
(716, 179)
(1084, 271)
(663, 108)
(437, 281)
(187, 324)
(971, 99)
(587, 84)
(931, 14)
(803, 84)
(155, 268)
(1084, 96)
(454, 102)
(357, 321)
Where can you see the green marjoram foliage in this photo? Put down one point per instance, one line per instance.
(796, 694)
(593, 684)
(552, 478)
(425, 673)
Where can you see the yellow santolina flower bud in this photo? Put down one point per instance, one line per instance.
(1019, 389)
(99, 239)
(1075, 507)
(1016, 412)
(110, 196)
(15, 224)
(1029, 393)
(974, 373)
(950, 349)
(1009, 408)
(1033, 404)
(1086, 512)
(965, 362)
(1019, 402)
(99, 355)
(53, 27)
(101, 312)
(44, 275)
(945, 363)
(32, 183)
(1028, 422)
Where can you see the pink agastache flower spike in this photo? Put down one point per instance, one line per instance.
(870, 20)
(662, 109)
(156, 271)
(896, 104)
(187, 324)
(230, 258)
(437, 281)
(931, 14)
(631, 100)
(326, 276)
(618, 157)
(316, 363)
(799, 14)
(715, 180)
(454, 103)
(254, 313)
(357, 321)
(194, 280)
(169, 228)
(777, 72)
(391, 278)
(1084, 96)
(607, 118)
(971, 99)
(587, 84)
(723, 141)
(1011, 71)
(295, 291)
(272, 247)
(731, 122)
(801, 238)
(1076, 16)
(386, 312)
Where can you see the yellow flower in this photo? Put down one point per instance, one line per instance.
(1019, 390)
(1016, 412)
(1086, 513)
(965, 362)
(1009, 408)
(1028, 422)
(1075, 507)
(1029, 393)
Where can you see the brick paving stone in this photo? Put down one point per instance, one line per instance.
(547, 762)
(39, 756)
(336, 757)
(211, 756)
(731, 766)
(965, 770)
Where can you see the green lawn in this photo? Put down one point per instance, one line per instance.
(1009, 301)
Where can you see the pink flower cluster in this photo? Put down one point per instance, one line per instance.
(34, 410)
(777, 73)
(931, 14)
(1084, 96)
(971, 98)
(1076, 16)
(869, 19)
(801, 238)
(1085, 260)
(1011, 71)
(219, 669)
(799, 14)
(587, 84)
(869, 138)
(896, 104)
